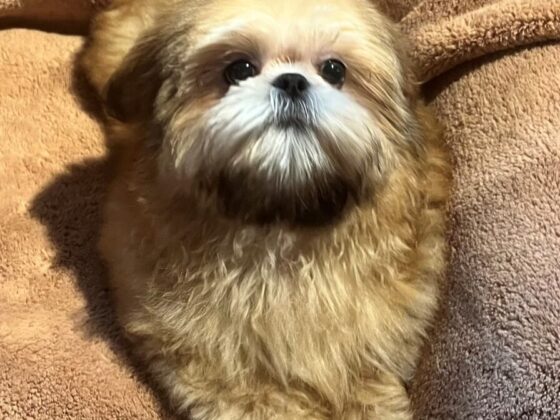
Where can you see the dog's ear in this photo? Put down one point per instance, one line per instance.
(396, 40)
(411, 86)
(131, 92)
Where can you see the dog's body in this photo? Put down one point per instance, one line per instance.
(282, 318)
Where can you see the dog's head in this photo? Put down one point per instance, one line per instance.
(286, 111)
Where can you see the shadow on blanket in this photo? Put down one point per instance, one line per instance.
(71, 209)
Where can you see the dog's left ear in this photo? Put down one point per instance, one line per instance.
(393, 11)
(410, 84)
(130, 93)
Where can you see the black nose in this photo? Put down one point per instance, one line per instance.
(293, 84)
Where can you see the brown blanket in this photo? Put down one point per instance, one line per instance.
(70, 16)
(495, 351)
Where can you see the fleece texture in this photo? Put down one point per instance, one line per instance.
(60, 354)
(492, 74)
(70, 16)
(495, 349)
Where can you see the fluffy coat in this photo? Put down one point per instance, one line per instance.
(271, 322)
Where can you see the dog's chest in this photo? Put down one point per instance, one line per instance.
(317, 318)
(285, 323)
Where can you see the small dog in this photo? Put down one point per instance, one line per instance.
(275, 229)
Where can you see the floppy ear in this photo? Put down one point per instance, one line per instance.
(411, 84)
(400, 44)
(131, 91)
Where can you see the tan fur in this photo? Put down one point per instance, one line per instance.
(239, 321)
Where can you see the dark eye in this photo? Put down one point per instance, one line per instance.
(333, 71)
(238, 71)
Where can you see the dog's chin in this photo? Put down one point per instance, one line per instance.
(288, 168)
(254, 202)
(250, 194)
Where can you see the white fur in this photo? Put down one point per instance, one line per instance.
(241, 128)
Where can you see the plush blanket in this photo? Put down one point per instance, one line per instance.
(69, 16)
(495, 351)
(492, 71)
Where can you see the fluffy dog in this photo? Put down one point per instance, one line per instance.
(275, 228)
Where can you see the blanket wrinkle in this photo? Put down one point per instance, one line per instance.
(65, 16)
(491, 73)
(494, 27)
(494, 351)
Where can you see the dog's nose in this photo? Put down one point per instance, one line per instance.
(293, 84)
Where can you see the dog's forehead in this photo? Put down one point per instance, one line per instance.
(288, 29)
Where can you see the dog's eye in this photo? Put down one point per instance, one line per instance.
(333, 71)
(238, 71)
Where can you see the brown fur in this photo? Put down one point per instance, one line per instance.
(241, 321)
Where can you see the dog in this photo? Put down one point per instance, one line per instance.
(275, 229)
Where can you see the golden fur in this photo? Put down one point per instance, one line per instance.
(242, 321)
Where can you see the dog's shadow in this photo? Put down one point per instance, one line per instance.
(71, 210)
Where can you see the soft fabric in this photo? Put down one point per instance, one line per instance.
(55, 15)
(60, 355)
(494, 351)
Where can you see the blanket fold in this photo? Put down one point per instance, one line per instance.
(68, 16)
(506, 24)
(491, 70)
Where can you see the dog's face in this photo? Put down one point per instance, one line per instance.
(271, 111)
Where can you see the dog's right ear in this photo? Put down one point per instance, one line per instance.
(130, 93)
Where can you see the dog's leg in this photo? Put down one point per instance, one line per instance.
(384, 398)
(197, 397)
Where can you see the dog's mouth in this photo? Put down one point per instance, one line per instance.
(290, 170)
(294, 114)
(295, 122)
(258, 202)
